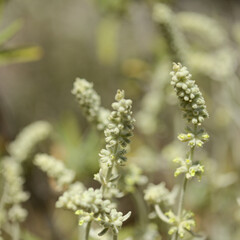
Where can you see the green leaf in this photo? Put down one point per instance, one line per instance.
(18, 55)
(9, 32)
(103, 232)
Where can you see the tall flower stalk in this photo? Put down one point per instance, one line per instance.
(194, 111)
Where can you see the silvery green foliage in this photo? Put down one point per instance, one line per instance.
(163, 15)
(157, 194)
(55, 169)
(13, 193)
(28, 138)
(191, 99)
(117, 134)
(90, 103)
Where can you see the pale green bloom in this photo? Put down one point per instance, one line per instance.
(17, 213)
(191, 99)
(180, 225)
(13, 193)
(55, 169)
(188, 168)
(90, 103)
(28, 138)
(71, 198)
(156, 194)
(12, 173)
(114, 220)
(117, 137)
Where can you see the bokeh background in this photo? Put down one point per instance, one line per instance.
(117, 44)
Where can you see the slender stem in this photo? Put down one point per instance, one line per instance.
(160, 214)
(175, 236)
(88, 227)
(181, 199)
(15, 231)
(141, 207)
(81, 232)
(183, 189)
(115, 236)
(109, 171)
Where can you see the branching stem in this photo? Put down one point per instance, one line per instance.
(160, 214)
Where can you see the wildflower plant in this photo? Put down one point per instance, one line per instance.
(21, 149)
(96, 205)
(194, 111)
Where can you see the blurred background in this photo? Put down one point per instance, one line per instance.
(45, 45)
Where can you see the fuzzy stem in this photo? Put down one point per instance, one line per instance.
(181, 199)
(160, 214)
(183, 189)
(15, 231)
(88, 227)
(142, 211)
(109, 171)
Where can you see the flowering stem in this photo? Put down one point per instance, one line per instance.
(109, 171)
(88, 227)
(115, 236)
(160, 214)
(181, 200)
(15, 231)
(183, 189)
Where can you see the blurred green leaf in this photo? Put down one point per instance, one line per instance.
(18, 55)
(9, 32)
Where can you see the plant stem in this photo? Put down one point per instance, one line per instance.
(160, 214)
(109, 171)
(183, 190)
(88, 227)
(115, 236)
(141, 209)
(15, 231)
(181, 199)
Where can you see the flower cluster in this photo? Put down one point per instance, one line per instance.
(182, 224)
(72, 197)
(13, 193)
(90, 103)
(117, 134)
(92, 207)
(188, 168)
(156, 194)
(113, 221)
(29, 137)
(55, 169)
(194, 139)
(190, 97)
